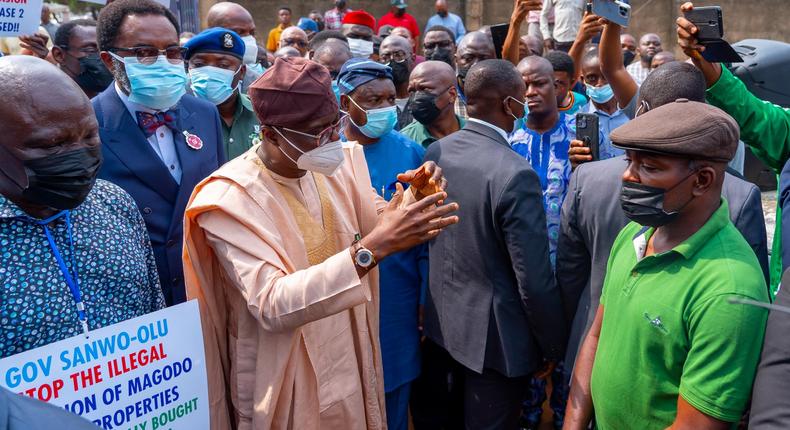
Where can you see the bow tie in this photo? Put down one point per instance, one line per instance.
(149, 122)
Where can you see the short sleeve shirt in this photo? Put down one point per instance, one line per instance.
(669, 329)
(238, 138)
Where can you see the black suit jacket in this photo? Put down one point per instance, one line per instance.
(492, 300)
(592, 218)
(131, 163)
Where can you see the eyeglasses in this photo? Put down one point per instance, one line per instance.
(148, 54)
(440, 44)
(396, 56)
(290, 42)
(322, 138)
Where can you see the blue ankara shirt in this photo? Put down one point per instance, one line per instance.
(115, 265)
(403, 276)
(548, 155)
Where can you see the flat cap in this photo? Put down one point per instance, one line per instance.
(682, 128)
(291, 92)
(359, 71)
(216, 40)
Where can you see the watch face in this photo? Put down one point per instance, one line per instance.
(364, 258)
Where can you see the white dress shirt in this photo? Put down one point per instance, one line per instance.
(161, 141)
(501, 132)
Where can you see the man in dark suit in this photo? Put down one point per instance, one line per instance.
(592, 217)
(493, 305)
(157, 142)
(770, 396)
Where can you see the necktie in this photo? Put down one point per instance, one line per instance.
(149, 122)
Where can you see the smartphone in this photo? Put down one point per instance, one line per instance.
(708, 21)
(587, 132)
(499, 34)
(616, 11)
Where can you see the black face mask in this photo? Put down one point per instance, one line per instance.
(628, 57)
(443, 13)
(440, 54)
(461, 73)
(423, 107)
(93, 75)
(400, 72)
(644, 204)
(62, 181)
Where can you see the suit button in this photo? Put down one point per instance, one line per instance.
(146, 211)
(175, 280)
(170, 243)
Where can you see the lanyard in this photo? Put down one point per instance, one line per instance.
(71, 278)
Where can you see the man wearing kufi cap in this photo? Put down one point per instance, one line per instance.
(215, 63)
(667, 348)
(358, 27)
(280, 251)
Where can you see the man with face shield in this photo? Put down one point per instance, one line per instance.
(235, 17)
(282, 245)
(215, 72)
(76, 256)
(76, 52)
(664, 327)
(396, 53)
(473, 48)
(433, 92)
(157, 142)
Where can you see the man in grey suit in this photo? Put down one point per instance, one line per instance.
(18, 412)
(492, 304)
(592, 218)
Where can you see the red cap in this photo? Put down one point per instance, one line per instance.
(360, 17)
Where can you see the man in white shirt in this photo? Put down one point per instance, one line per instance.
(567, 17)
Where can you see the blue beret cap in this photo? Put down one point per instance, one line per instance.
(307, 24)
(359, 71)
(216, 40)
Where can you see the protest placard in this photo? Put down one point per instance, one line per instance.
(146, 373)
(19, 17)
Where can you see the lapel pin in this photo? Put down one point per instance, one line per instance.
(193, 141)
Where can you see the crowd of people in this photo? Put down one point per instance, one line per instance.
(393, 227)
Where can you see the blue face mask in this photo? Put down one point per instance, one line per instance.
(157, 86)
(600, 94)
(380, 121)
(256, 68)
(336, 90)
(212, 83)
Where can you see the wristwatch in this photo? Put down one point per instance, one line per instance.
(362, 256)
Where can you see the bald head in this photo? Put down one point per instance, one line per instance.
(535, 65)
(441, 7)
(332, 55)
(532, 45)
(473, 48)
(286, 52)
(232, 16)
(395, 42)
(662, 58)
(44, 111)
(434, 71)
(490, 88)
(294, 37)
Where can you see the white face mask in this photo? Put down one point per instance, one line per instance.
(360, 48)
(251, 49)
(325, 159)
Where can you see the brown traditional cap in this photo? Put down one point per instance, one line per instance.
(682, 128)
(292, 92)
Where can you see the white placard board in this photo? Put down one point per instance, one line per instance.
(145, 373)
(19, 17)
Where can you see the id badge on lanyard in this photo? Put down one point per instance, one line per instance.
(70, 276)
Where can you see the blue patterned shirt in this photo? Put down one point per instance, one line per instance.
(115, 270)
(548, 155)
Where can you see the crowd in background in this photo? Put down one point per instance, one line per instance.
(389, 226)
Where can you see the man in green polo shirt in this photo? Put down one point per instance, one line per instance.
(666, 347)
(216, 69)
(433, 91)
